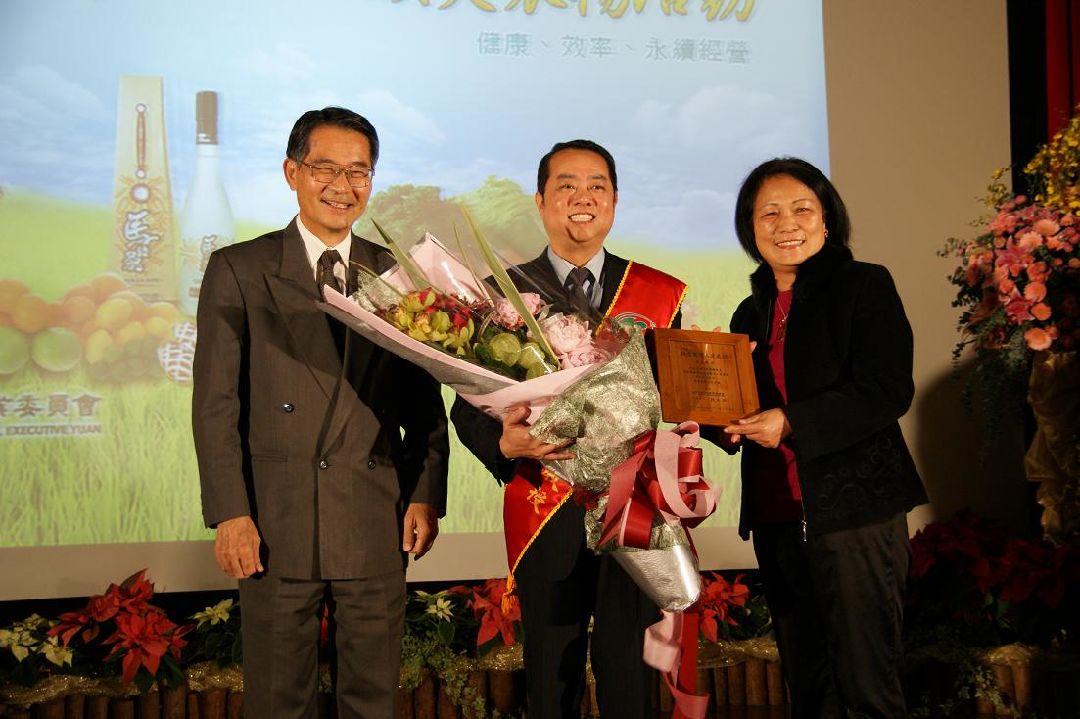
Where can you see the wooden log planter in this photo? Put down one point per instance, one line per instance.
(735, 674)
(1027, 681)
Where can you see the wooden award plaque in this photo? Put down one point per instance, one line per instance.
(707, 377)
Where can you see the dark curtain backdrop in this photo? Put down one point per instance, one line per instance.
(1044, 73)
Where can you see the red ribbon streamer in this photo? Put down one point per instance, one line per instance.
(663, 474)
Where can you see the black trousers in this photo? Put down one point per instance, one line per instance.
(836, 602)
(281, 640)
(555, 617)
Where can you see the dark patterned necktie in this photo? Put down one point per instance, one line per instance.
(578, 284)
(325, 271)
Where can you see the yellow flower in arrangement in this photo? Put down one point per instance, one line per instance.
(212, 615)
(435, 318)
(1054, 172)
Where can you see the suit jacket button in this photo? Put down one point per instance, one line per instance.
(287, 407)
(371, 464)
(323, 464)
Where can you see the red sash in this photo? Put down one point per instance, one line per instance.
(646, 298)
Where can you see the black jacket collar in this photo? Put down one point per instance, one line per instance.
(811, 272)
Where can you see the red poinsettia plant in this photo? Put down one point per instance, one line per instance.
(498, 614)
(969, 578)
(122, 625)
(729, 610)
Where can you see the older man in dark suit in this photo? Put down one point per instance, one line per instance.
(322, 458)
(562, 584)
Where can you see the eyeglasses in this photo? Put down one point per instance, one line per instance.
(358, 177)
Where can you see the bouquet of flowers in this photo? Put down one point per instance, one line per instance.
(642, 488)
(433, 311)
(502, 349)
(1018, 279)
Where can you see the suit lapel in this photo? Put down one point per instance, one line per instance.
(358, 351)
(293, 292)
(543, 273)
(538, 275)
(614, 269)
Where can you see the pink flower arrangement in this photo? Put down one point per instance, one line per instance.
(1018, 281)
(572, 340)
(507, 317)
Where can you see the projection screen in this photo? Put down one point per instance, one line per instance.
(117, 117)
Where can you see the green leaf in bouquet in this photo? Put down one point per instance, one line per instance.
(507, 287)
(416, 275)
(480, 284)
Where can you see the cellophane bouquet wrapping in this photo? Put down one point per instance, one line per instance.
(592, 385)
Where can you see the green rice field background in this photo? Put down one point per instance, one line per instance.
(137, 480)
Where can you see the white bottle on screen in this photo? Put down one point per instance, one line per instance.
(206, 222)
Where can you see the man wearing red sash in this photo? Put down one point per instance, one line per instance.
(560, 582)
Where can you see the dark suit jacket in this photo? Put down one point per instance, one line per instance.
(285, 431)
(480, 433)
(847, 364)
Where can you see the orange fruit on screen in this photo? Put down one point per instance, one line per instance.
(56, 315)
(106, 284)
(87, 328)
(10, 292)
(139, 310)
(97, 344)
(84, 290)
(31, 314)
(113, 313)
(131, 332)
(75, 310)
(158, 327)
(166, 311)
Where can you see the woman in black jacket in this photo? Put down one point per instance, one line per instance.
(827, 478)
